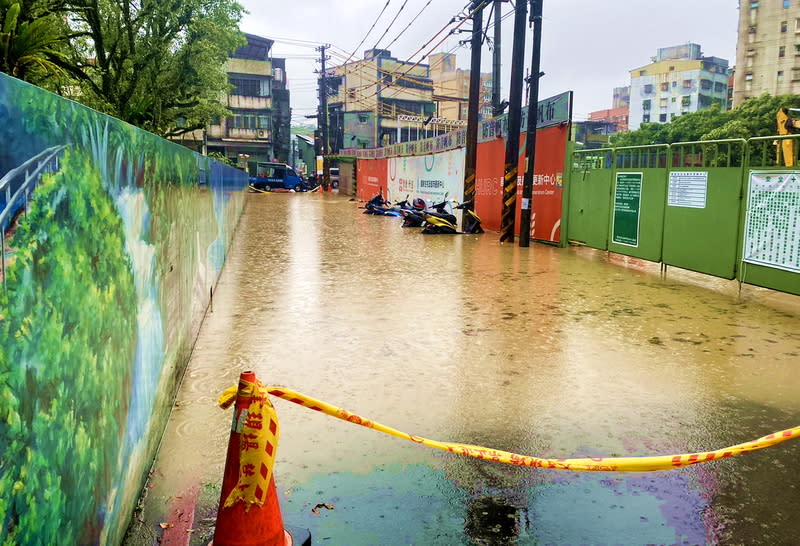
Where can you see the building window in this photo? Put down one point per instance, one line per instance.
(795, 74)
(706, 84)
(719, 87)
(672, 116)
(665, 86)
(781, 51)
(797, 25)
(686, 102)
(779, 77)
(754, 5)
(687, 84)
(786, 4)
(671, 68)
(674, 99)
(646, 105)
(648, 88)
(643, 72)
(363, 118)
(646, 118)
(249, 88)
(662, 118)
(784, 26)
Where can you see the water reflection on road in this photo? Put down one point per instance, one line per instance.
(541, 351)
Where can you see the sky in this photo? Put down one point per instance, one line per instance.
(588, 47)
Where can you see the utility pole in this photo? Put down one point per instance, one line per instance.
(512, 142)
(496, 59)
(471, 159)
(533, 118)
(323, 115)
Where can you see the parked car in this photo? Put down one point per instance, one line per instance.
(271, 176)
(333, 172)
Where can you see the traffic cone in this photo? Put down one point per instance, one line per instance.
(248, 523)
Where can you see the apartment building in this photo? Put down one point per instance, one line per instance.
(677, 81)
(451, 89)
(768, 49)
(258, 127)
(367, 97)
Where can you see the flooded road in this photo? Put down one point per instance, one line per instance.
(539, 351)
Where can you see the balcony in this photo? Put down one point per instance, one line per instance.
(249, 103)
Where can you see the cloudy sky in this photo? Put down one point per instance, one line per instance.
(588, 47)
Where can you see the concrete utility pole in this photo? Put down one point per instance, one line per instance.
(496, 59)
(471, 159)
(323, 115)
(512, 142)
(533, 118)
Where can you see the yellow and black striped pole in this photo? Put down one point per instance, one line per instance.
(471, 159)
(514, 118)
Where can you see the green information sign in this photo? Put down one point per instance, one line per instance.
(627, 204)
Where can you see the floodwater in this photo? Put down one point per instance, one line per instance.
(539, 351)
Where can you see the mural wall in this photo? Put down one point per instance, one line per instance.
(106, 279)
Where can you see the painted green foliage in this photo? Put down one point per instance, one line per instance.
(70, 304)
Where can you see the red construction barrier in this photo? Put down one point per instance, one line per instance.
(372, 178)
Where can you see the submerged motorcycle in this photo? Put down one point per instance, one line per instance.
(414, 216)
(443, 222)
(377, 206)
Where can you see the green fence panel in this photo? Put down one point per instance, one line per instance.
(637, 201)
(701, 219)
(769, 248)
(589, 198)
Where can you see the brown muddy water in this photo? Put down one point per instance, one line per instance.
(539, 351)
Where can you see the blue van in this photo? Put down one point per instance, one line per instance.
(271, 176)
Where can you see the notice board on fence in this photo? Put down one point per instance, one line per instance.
(772, 221)
(627, 208)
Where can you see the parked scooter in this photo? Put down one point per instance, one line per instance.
(377, 206)
(415, 215)
(439, 220)
(443, 222)
(472, 222)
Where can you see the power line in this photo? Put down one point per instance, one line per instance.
(369, 31)
(390, 24)
(409, 24)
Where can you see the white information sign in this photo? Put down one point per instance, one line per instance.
(772, 225)
(688, 189)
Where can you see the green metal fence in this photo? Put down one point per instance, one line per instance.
(716, 207)
(702, 212)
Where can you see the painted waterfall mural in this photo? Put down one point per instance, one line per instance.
(106, 279)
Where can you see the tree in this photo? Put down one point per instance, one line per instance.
(754, 117)
(30, 39)
(159, 65)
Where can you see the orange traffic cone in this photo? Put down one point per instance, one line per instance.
(254, 520)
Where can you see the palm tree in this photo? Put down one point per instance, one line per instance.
(29, 41)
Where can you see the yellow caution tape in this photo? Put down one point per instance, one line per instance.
(257, 426)
(593, 464)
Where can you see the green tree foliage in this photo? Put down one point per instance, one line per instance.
(159, 65)
(31, 41)
(754, 117)
(69, 337)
